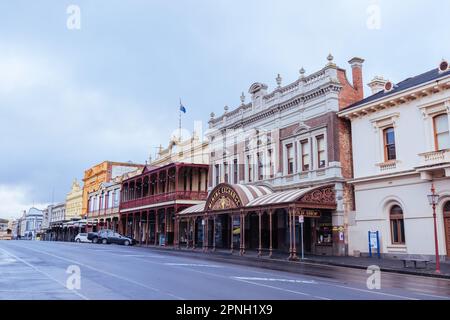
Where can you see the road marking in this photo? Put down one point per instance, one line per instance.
(433, 295)
(276, 279)
(107, 273)
(374, 292)
(280, 289)
(191, 265)
(44, 273)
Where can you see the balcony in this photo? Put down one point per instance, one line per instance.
(434, 158)
(388, 165)
(164, 197)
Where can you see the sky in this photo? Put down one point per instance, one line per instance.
(109, 90)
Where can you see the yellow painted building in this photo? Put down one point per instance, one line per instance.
(103, 172)
(74, 201)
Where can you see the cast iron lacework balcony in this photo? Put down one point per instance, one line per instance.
(164, 197)
(435, 157)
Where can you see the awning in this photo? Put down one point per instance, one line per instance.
(279, 197)
(193, 209)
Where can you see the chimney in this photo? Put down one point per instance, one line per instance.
(356, 64)
(377, 84)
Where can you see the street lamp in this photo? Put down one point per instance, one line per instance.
(433, 199)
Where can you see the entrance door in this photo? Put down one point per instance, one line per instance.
(447, 226)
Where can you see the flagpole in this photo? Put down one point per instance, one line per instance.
(179, 120)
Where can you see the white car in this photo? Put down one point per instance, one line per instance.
(82, 237)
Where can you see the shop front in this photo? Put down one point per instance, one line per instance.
(247, 217)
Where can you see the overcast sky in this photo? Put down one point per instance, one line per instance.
(71, 98)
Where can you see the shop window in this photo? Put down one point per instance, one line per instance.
(389, 144)
(324, 228)
(397, 225)
(441, 132)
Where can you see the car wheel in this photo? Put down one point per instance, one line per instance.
(78, 240)
(95, 240)
(126, 243)
(104, 241)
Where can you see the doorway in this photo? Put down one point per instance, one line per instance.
(447, 226)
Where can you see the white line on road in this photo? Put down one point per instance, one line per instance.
(276, 279)
(44, 273)
(107, 273)
(281, 289)
(192, 265)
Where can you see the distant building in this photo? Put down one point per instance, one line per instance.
(57, 216)
(74, 201)
(103, 172)
(5, 230)
(30, 223)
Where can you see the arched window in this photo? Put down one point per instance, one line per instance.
(441, 132)
(447, 208)
(389, 144)
(397, 225)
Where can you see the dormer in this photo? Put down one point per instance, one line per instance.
(257, 91)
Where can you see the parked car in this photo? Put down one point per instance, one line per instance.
(117, 238)
(96, 237)
(81, 237)
(107, 236)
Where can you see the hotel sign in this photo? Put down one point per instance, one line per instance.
(224, 197)
(307, 213)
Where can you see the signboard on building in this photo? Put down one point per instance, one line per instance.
(307, 213)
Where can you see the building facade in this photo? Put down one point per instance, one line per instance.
(283, 157)
(57, 218)
(401, 148)
(150, 201)
(103, 173)
(192, 150)
(30, 224)
(74, 201)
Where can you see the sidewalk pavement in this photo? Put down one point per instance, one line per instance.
(279, 261)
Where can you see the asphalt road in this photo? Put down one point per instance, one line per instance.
(38, 270)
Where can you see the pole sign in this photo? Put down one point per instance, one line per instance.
(301, 219)
(374, 243)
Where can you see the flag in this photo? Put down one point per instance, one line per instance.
(182, 108)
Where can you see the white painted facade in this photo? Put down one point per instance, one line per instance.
(381, 183)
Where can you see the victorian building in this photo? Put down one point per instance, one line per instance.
(401, 150)
(30, 224)
(150, 201)
(191, 150)
(56, 220)
(282, 158)
(74, 201)
(103, 204)
(103, 173)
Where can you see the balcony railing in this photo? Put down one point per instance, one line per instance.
(388, 165)
(435, 157)
(164, 197)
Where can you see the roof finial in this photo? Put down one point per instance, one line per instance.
(225, 109)
(330, 58)
(278, 79)
(242, 98)
(302, 73)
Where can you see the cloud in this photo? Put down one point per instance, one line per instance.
(13, 201)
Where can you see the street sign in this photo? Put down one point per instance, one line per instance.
(301, 219)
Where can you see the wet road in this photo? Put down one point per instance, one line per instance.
(39, 270)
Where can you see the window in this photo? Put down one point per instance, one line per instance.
(235, 171)
(290, 158)
(441, 132)
(116, 198)
(110, 199)
(320, 151)
(260, 167)
(225, 170)
(269, 155)
(389, 144)
(217, 171)
(304, 146)
(250, 171)
(397, 225)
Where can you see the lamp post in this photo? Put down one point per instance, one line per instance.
(433, 199)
